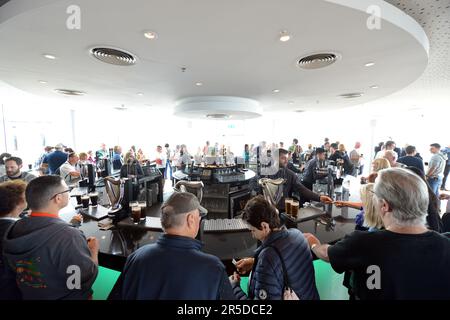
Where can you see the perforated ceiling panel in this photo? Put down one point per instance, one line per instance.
(434, 17)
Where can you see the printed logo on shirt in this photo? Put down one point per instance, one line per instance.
(374, 280)
(27, 273)
(262, 294)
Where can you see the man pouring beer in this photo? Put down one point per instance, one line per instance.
(293, 184)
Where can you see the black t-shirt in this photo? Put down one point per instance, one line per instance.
(410, 266)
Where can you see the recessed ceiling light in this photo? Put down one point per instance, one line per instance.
(276, 90)
(352, 95)
(369, 64)
(42, 81)
(218, 116)
(198, 84)
(291, 102)
(49, 56)
(68, 92)
(140, 94)
(121, 108)
(284, 36)
(150, 35)
(374, 87)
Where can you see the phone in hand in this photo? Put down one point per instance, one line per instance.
(234, 262)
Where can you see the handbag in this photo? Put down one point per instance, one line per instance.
(288, 293)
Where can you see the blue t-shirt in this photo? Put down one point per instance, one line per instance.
(411, 161)
(55, 160)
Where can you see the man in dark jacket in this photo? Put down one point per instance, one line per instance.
(338, 157)
(293, 183)
(52, 260)
(174, 268)
(309, 174)
(411, 160)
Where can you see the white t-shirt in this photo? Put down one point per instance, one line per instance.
(160, 160)
(65, 171)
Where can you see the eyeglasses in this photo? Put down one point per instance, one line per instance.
(68, 190)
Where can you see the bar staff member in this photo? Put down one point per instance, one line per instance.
(293, 183)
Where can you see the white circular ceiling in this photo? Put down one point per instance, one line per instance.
(212, 48)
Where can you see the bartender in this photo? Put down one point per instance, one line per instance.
(310, 174)
(293, 184)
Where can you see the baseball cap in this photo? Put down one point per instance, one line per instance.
(183, 202)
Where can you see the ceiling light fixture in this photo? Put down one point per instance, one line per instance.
(121, 108)
(374, 87)
(68, 92)
(218, 116)
(198, 84)
(49, 56)
(276, 90)
(140, 94)
(284, 36)
(369, 64)
(351, 95)
(291, 102)
(151, 35)
(42, 82)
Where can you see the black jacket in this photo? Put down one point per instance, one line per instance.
(292, 185)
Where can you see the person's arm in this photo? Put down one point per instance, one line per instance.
(74, 250)
(245, 265)
(304, 192)
(307, 194)
(432, 166)
(74, 174)
(93, 246)
(320, 250)
(225, 289)
(354, 205)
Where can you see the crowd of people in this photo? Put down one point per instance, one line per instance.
(400, 235)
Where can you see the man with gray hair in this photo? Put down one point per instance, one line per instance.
(174, 268)
(404, 261)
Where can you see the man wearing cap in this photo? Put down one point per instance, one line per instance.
(55, 159)
(174, 268)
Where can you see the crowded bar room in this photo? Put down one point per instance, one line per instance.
(229, 150)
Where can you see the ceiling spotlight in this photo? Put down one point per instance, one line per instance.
(198, 84)
(49, 56)
(121, 108)
(218, 116)
(68, 92)
(352, 95)
(140, 94)
(150, 35)
(276, 90)
(42, 82)
(369, 64)
(374, 87)
(284, 36)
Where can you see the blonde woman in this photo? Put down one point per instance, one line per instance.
(368, 217)
(377, 165)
